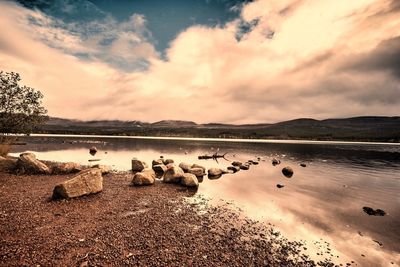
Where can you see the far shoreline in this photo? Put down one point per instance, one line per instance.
(237, 140)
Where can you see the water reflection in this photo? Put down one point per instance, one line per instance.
(323, 200)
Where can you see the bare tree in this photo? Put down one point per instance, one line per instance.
(21, 107)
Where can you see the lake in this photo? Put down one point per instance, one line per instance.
(322, 203)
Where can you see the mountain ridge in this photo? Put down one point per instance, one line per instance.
(365, 128)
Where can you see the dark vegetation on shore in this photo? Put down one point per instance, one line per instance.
(379, 129)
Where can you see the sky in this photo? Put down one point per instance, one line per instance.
(228, 61)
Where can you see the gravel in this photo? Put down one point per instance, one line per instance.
(159, 225)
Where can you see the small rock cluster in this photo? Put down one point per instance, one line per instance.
(185, 174)
(286, 171)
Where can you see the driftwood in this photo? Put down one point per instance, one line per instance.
(214, 156)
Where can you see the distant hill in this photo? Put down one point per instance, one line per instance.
(174, 123)
(367, 128)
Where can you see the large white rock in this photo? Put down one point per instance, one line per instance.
(86, 182)
(27, 163)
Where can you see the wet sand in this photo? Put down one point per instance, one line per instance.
(160, 225)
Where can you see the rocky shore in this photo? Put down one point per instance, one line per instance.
(123, 225)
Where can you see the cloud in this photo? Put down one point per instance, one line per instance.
(126, 45)
(325, 59)
(385, 57)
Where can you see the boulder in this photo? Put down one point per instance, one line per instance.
(86, 182)
(65, 167)
(275, 161)
(27, 163)
(199, 166)
(244, 167)
(168, 161)
(237, 163)
(189, 180)
(160, 169)
(215, 172)
(287, 171)
(145, 177)
(197, 171)
(185, 166)
(234, 168)
(138, 165)
(105, 169)
(93, 150)
(157, 162)
(173, 175)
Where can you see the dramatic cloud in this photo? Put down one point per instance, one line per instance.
(279, 60)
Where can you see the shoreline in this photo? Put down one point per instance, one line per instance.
(125, 225)
(238, 140)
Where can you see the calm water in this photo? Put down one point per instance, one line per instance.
(320, 203)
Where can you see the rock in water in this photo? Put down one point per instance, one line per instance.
(174, 174)
(236, 163)
(234, 168)
(199, 166)
(303, 165)
(86, 182)
(280, 185)
(145, 177)
(244, 167)
(185, 166)
(93, 150)
(214, 177)
(275, 161)
(197, 171)
(168, 161)
(27, 163)
(138, 165)
(215, 172)
(189, 180)
(66, 167)
(287, 171)
(371, 211)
